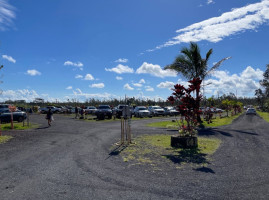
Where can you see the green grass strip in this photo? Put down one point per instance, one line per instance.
(221, 121)
(4, 139)
(264, 115)
(18, 126)
(215, 122)
(156, 149)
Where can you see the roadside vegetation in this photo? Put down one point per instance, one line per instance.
(18, 126)
(264, 115)
(156, 150)
(5, 138)
(175, 124)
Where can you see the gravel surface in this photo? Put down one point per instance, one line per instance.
(72, 160)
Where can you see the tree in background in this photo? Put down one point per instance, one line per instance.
(265, 82)
(227, 105)
(260, 96)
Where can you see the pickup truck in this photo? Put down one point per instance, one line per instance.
(103, 111)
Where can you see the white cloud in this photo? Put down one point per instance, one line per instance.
(97, 85)
(120, 69)
(149, 88)
(88, 77)
(119, 78)
(79, 94)
(137, 84)
(69, 88)
(154, 98)
(244, 84)
(215, 29)
(78, 76)
(22, 94)
(33, 72)
(210, 1)
(155, 70)
(127, 87)
(75, 64)
(122, 60)
(7, 15)
(166, 84)
(9, 58)
(142, 81)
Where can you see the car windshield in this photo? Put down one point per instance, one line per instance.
(156, 107)
(3, 106)
(142, 109)
(104, 107)
(92, 107)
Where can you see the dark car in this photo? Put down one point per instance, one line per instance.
(119, 110)
(103, 111)
(17, 116)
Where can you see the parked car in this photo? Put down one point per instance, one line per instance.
(251, 111)
(103, 111)
(4, 108)
(120, 109)
(141, 111)
(156, 110)
(90, 110)
(53, 109)
(17, 116)
(170, 111)
(62, 109)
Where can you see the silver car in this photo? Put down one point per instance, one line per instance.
(141, 111)
(156, 110)
(251, 111)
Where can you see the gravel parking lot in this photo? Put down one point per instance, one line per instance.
(72, 160)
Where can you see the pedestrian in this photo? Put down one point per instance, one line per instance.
(49, 117)
(76, 111)
(82, 113)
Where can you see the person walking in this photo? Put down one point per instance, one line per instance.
(49, 117)
(76, 111)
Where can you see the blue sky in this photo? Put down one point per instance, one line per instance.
(66, 49)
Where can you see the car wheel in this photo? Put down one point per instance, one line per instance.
(20, 119)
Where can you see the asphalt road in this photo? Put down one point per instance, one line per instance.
(71, 160)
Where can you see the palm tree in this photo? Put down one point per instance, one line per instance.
(191, 65)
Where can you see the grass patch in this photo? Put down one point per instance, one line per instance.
(264, 115)
(221, 121)
(156, 150)
(215, 122)
(18, 126)
(4, 139)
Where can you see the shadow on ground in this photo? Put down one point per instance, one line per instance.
(116, 151)
(216, 131)
(188, 156)
(205, 170)
(212, 131)
(45, 127)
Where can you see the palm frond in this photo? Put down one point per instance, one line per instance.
(208, 54)
(216, 66)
